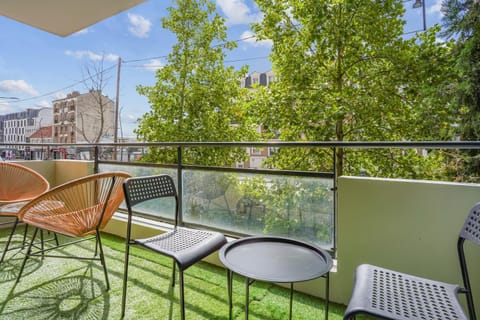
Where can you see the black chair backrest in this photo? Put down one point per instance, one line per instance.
(470, 232)
(140, 189)
(471, 228)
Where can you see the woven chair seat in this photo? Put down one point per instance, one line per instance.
(19, 184)
(76, 223)
(76, 209)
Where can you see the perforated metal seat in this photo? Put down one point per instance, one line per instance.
(390, 294)
(185, 245)
(393, 295)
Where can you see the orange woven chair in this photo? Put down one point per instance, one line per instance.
(19, 184)
(78, 209)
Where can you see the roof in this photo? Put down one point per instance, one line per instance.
(43, 132)
(63, 17)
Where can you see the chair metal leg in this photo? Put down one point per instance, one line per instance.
(102, 258)
(291, 300)
(230, 293)
(96, 248)
(327, 294)
(125, 277)
(56, 239)
(466, 279)
(14, 227)
(173, 273)
(247, 289)
(25, 236)
(27, 255)
(182, 295)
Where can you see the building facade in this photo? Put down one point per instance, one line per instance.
(258, 79)
(83, 118)
(19, 126)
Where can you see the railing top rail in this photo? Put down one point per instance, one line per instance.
(319, 144)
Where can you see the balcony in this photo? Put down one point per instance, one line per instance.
(407, 225)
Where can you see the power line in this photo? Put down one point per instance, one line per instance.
(127, 62)
(64, 88)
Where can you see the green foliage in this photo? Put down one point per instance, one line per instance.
(346, 73)
(462, 22)
(194, 98)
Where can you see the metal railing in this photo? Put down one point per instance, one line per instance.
(299, 204)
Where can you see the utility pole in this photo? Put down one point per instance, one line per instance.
(418, 4)
(115, 130)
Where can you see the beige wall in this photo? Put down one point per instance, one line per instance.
(60, 171)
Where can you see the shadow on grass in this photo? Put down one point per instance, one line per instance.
(69, 289)
(68, 297)
(10, 266)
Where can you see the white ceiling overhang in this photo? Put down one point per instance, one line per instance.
(63, 17)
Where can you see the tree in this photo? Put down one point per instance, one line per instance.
(346, 74)
(98, 108)
(195, 96)
(462, 22)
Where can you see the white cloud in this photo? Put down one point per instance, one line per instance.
(83, 31)
(249, 38)
(238, 12)
(6, 108)
(79, 54)
(17, 86)
(139, 26)
(435, 8)
(43, 104)
(153, 65)
(59, 95)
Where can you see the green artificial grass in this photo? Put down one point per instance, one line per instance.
(55, 288)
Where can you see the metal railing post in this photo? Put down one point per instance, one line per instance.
(180, 184)
(95, 160)
(335, 202)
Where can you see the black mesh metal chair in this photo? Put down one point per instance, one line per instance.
(185, 245)
(390, 294)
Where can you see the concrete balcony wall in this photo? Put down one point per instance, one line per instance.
(406, 225)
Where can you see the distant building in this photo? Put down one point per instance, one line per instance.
(256, 156)
(83, 117)
(42, 135)
(258, 78)
(17, 127)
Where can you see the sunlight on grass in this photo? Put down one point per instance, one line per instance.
(73, 289)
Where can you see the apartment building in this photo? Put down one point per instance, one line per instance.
(83, 118)
(17, 127)
(258, 78)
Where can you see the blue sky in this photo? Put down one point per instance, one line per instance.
(38, 67)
